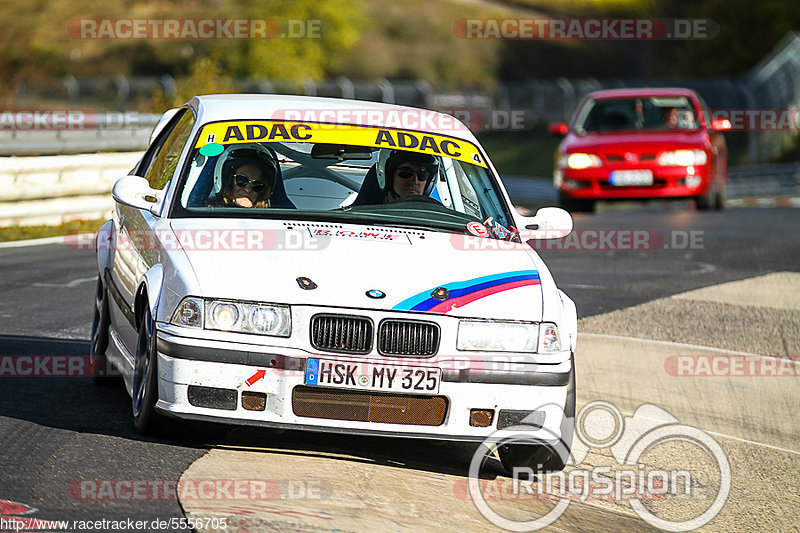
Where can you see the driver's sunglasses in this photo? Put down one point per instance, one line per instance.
(423, 174)
(241, 181)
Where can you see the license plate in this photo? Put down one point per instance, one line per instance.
(631, 177)
(370, 376)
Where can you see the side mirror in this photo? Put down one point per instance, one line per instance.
(557, 129)
(135, 191)
(547, 223)
(720, 124)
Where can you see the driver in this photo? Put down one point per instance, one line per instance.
(248, 178)
(409, 173)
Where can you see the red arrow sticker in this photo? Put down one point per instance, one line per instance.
(255, 377)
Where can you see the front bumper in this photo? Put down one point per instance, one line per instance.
(668, 182)
(485, 382)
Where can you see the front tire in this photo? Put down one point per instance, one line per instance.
(544, 458)
(100, 370)
(721, 197)
(705, 201)
(145, 380)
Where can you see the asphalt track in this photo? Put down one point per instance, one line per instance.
(61, 431)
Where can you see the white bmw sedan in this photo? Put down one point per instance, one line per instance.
(333, 265)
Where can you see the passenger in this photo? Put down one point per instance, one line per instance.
(248, 178)
(409, 173)
(671, 117)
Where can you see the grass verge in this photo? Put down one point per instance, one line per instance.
(20, 233)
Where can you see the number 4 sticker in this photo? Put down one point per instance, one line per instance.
(476, 158)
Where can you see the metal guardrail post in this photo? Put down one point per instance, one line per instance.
(387, 91)
(73, 89)
(346, 87)
(752, 135)
(169, 85)
(123, 90)
(568, 95)
(309, 87)
(426, 91)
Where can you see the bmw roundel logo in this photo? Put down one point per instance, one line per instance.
(376, 294)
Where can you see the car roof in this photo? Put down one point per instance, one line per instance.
(641, 91)
(223, 107)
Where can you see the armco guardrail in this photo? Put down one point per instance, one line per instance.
(748, 181)
(54, 189)
(73, 132)
(765, 181)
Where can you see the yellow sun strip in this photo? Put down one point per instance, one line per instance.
(247, 131)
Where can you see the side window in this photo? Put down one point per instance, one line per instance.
(163, 158)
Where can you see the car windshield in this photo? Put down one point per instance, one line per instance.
(275, 169)
(639, 113)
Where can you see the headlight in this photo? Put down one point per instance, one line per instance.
(497, 336)
(579, 161)
(223, 315)
(267, 319)
(189, 313)
(241, 317)
(682, 158)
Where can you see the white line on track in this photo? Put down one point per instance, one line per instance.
(71, 284)
(60, 239)
(32, 242)
(696, 346)
(716, 434)
(667, 343)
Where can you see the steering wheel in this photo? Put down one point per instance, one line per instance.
(418, 198)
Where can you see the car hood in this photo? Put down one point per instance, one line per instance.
(262, 260)
(631, 140)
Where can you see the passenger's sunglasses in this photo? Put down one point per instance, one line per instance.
(242, 181)
(423, 174)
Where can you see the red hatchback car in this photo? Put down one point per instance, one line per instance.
(641, 144)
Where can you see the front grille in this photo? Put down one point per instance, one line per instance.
(341, 333)
(362, 406)
(617, 158)
(403, 337)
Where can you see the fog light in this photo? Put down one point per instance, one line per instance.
(513, 417)
(212, 397)
(481, 418)
(254, 401)
(693, 181)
